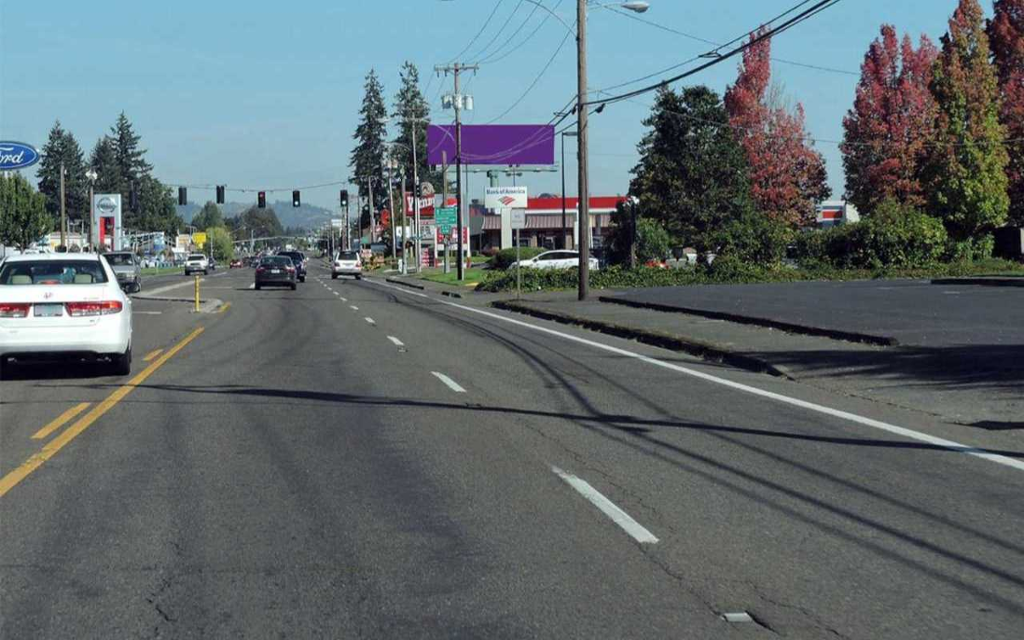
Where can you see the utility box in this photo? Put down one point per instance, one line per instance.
(1009, 243)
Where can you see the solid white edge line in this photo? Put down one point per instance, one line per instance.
(636, 530)
(771, 395)
(354, 308)
(370, 321)
(454, 386)
(396, 341)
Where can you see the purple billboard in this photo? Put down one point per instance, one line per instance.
(493, 144)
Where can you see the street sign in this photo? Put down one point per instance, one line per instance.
(199, 238)
(518, 218)
(506, 198)
(337, 223)
(446, 218)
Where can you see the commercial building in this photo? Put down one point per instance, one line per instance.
(544, 223)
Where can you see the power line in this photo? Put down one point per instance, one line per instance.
(495, 57)
(722, 57)
(495, 37)
(533, 84)
(478, 33)
(690, 36)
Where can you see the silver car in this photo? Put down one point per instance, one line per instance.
(127, 267)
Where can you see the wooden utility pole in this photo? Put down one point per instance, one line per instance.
(63, 212)
(458, 103)
(583, 135)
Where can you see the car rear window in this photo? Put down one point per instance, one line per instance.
(278, 261)
(52, 272)
(119, 259)
(348, 255)
(197, 256)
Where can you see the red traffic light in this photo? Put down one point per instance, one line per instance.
(261, 199)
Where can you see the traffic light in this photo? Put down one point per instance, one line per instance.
(133, 198)
(182, 196)
(220, 194)
(344, 198)
(261, 199)
(296, 201)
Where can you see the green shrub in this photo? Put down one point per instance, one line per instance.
(895, 236)
(504, 258)
(970, 250)
(653, 242)
(755, 239)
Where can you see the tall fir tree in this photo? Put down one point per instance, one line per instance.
(62, 147)
(692, 176)
(368, 155)
(413, 111)
(131, 160)
(103, 161)
(889, 128)
(1006, 34)
(966, 170)
(787, 175)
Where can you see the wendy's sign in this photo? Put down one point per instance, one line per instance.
(17, 155)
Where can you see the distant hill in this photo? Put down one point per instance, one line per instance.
(307, 216)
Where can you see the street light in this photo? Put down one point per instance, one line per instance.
(565, 134)
(581, 125)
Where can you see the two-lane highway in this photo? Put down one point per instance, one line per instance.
(358, 459)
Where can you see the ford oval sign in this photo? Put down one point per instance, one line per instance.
(17, 155)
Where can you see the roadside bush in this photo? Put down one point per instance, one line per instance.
(895, 236)
(653, 242)
(755, 239)
(970, 250)
(504, 258)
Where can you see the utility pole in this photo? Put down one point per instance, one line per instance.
(369, 188)
(458, 103)
(416, 199)
(583, 134)
(63, 211)
(391, 204)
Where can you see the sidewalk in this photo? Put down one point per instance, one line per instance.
(950, 382)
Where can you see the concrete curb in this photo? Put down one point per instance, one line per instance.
(982, 282)
(834, 334)
(703, 350)
(210, 305)
(405, 284)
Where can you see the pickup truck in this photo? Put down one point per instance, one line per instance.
(195, 263)
(127, 267)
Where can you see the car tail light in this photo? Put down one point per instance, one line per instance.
(260, 269)
(13, 310)
(101, 308)
(291, 269)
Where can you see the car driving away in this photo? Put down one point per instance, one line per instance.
(299, 260)
(127, 268)
(276, 271)
(195, 263)
(347, 263)
(64, 307)
(555, 260)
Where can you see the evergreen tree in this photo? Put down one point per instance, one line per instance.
(62, 147)
(23, 215)
(787, 175)
(103, 161)
(368, 154)
(966, 172)
(693, 174)
(157, 208)
(891, 124)
(414, 111)
(1006, 33)
(130, 159)
(209, 216)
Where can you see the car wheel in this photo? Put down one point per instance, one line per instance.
(138, 285)
(359, 277)
(302, 279)
(121, 365)
(205, 272)
(294, 286)
(257, 287)
(334, 276)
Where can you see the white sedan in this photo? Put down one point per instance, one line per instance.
(64, 306)
(555, 260)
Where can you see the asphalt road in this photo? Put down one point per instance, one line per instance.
(353, 459)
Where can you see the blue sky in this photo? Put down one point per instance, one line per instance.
(266, 94)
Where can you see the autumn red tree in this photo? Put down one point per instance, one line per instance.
(787, 175)
(886, 133)
(1006, 37)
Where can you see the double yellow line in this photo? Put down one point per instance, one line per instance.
(12, 479)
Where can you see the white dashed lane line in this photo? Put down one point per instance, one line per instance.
(353, 307)
(396, 341)
(607, 507)
(451, 384)
(370, 321)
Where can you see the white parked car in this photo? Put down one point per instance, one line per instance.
(347, 263)
(556, 260)
(64, 306)
(196, 262)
